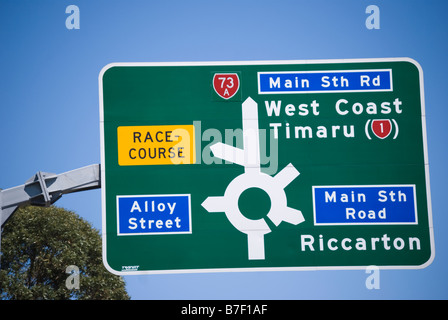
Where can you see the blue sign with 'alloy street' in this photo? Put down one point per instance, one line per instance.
(324, 81)
(354, 205)
(154, 214)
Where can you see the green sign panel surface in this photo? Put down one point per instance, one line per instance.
(265, 165)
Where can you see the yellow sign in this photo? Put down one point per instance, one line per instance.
(150, 145)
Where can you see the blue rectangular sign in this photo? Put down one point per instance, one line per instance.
(355, 205)
(324, 81)
(154, 214)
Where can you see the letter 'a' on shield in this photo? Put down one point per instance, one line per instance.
(382, 128)
(226, 85)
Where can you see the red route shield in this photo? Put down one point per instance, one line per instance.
(381, 128)
(226, 85)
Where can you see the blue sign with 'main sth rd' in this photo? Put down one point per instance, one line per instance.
(354, 205)
(324, 81)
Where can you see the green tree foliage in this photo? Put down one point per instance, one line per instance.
(38, 244)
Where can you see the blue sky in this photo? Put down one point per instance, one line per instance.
(49, 105)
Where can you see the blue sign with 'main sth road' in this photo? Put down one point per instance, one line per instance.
(355, 205)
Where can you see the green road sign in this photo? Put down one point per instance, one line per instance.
(276, 165)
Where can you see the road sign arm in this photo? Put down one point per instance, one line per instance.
(43, 189)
